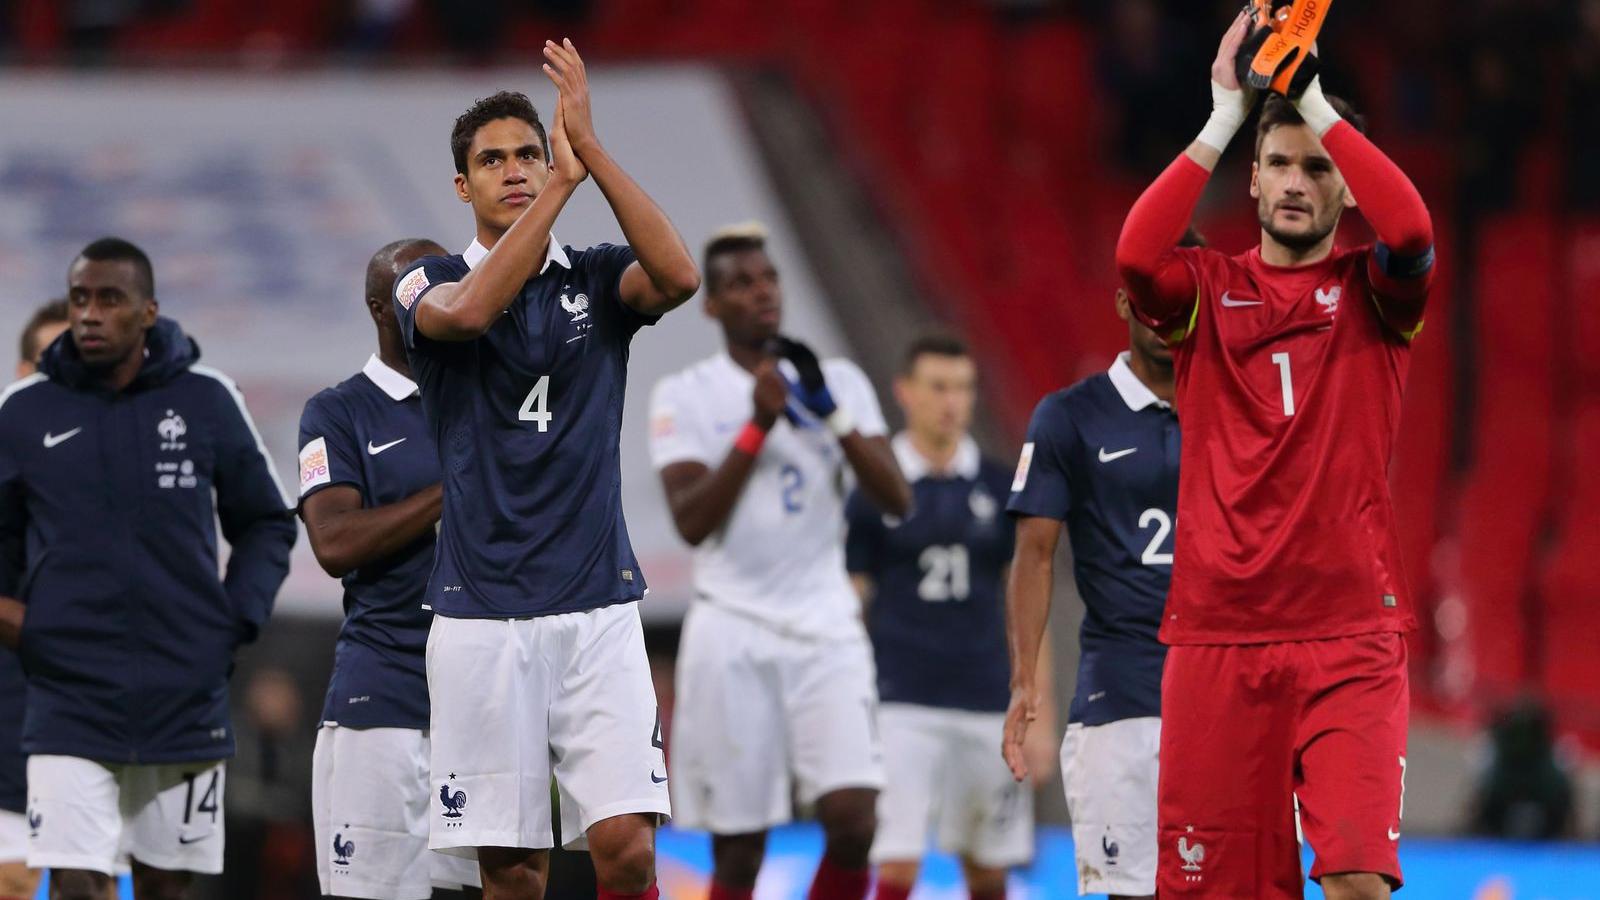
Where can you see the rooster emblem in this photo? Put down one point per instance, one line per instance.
(34, 821)
(454, 802)
(1192, 856)
(342, 850)
(1111, 849)
(1329, 298)
(577, 307)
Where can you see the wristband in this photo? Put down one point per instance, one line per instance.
(750, 439)
(1228, 111)
(1314, 107)
(840, 423)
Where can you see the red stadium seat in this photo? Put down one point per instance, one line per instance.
(1508, 487)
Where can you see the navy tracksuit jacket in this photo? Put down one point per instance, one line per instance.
(108, 512)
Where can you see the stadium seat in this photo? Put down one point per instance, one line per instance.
(1508, 486)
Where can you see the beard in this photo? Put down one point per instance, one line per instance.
(1298, 241)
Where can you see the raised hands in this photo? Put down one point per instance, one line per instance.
(565, 68)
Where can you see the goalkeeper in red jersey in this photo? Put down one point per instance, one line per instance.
(1286, 679)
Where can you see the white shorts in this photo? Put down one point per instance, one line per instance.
(1109, 772)
(13, 837)
(946, 773)
(754, 706)
(517, 701)
(88, 815)
(370, 799)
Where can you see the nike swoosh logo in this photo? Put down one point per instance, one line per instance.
(1227, 300)
(1394, 835)
(188, 840)
(653, 778)
(1108, 457)
(374, 451)
(50, 440)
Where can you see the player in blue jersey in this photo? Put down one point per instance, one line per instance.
(933, 582)
(536, 661)
(1102, 459)
(370, 498)
(16, 879)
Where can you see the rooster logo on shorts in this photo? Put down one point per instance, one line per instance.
(34, 821)
(454, 801)
(1192, 856)
(342, 850)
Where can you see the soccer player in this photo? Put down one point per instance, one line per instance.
(1101, 459)
(370, 497)
(774, 669)
(536, 663)
(116, 461)
(933, 581)
(1286, 675)
(16, 879)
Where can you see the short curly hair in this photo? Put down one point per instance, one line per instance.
(504, 105)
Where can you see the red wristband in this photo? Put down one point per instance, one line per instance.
(750, 439)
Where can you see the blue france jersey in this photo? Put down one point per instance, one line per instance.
(937, 618)
(528, 420)
(1102, 456)
(368, 433)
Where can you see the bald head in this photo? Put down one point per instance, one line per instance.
(392, 259)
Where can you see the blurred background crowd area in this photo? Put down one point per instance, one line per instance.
(970, 163)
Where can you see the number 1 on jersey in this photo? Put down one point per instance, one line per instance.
(534, 406)
(1287, 380)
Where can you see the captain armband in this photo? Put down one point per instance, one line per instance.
(1402, 268)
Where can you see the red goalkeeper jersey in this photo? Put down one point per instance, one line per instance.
(1288, 390)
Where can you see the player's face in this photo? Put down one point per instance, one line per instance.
(1299, 193)
(748, 298)
(507, 166)
(43, 337)
(938, 395)
(107, 310)
(1141, 338)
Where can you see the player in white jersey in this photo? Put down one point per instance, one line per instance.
(775, 674)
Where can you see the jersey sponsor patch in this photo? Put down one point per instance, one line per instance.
(411, 287)
(314, 465)
(1024, 463)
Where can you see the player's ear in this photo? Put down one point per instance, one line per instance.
(461, 188)
(1255, 181)
(1124, 311)
(902, 391)
(1349, 198)
(152, 309)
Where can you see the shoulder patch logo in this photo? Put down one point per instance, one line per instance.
(1024, 463)
(411, 287)
(314, 465)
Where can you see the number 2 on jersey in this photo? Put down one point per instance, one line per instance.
(1163, 522)
(534, 406)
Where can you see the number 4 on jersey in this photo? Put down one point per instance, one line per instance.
(534, 406)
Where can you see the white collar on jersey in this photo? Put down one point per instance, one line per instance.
(397, 386)
(1133, 391)
(475, 253)
(914, 466)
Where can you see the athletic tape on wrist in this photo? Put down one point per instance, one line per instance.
(840, 422)
(1228, 112)
(1314, 107)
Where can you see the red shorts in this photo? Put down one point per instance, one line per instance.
(1248, 730)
